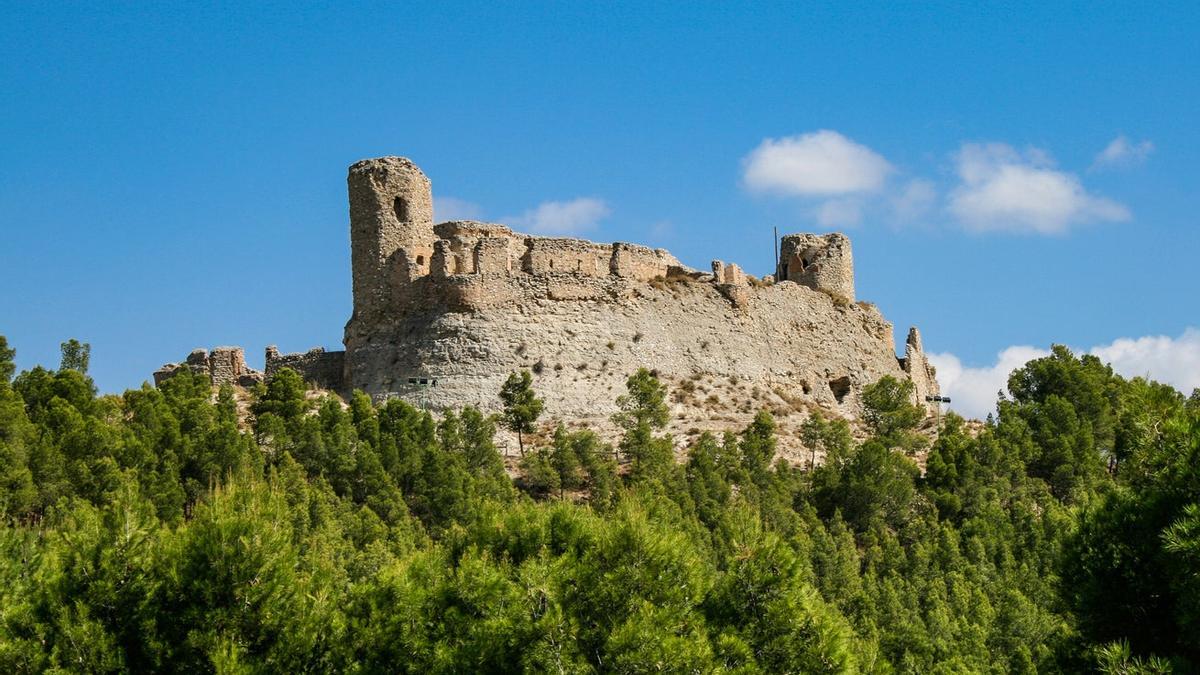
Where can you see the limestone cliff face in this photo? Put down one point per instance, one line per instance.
(583, 336)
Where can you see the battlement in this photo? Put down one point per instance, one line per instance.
(401, 258)
(467, 247)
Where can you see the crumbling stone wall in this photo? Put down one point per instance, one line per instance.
(641, 262)
(224, 365)
(820, 261)
(552, 255)
(918, 368)
(316, 366)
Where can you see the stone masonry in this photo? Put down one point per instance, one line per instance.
(224, 365)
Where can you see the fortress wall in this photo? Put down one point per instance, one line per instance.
(491, 256)
(641, 262)
(547, 255)
(317, 366)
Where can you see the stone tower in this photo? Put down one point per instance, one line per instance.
(391, 228)
(820, 261)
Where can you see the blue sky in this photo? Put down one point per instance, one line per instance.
(1011, 175)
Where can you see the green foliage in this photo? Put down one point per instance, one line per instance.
(76, 355)
(643, 409)
(7, 366)
(522, 407)
(888, 408)
(644, 404)
(153, 531)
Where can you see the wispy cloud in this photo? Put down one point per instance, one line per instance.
(452, 208)
(1001, 189)
(1174, 361)
(837, 213)
(562, 217)
(819, 164)
(1122, 152)
(914, 201)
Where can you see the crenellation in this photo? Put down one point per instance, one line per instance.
(733, 275)
(443, 262)
(491, 256)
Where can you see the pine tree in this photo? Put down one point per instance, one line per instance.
(521, 406)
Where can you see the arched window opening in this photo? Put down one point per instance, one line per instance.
(400, 207)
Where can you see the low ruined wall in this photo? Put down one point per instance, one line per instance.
(316, 366)
(224, 365)
(546, 255)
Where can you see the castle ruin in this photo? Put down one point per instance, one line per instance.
(444, 312)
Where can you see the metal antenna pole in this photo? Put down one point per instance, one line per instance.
(775, 246)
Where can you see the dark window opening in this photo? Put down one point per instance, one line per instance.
(420, 260)
(400, 207)
(805, 387)
(840, 388)
(412, 380)
(551, 264)
(424, 381)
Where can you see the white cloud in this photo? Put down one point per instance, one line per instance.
(452, 208)
(1003, 190)
(568, 217)
(837, 213)
(914, 201)
(1122, 152)
(1174, 361)
(822, 163)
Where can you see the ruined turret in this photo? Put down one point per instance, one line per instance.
(819, 261)
(391, 228)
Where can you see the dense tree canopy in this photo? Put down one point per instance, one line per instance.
(184, 529)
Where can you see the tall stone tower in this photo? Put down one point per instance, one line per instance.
(820, 261)
(391, 228)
